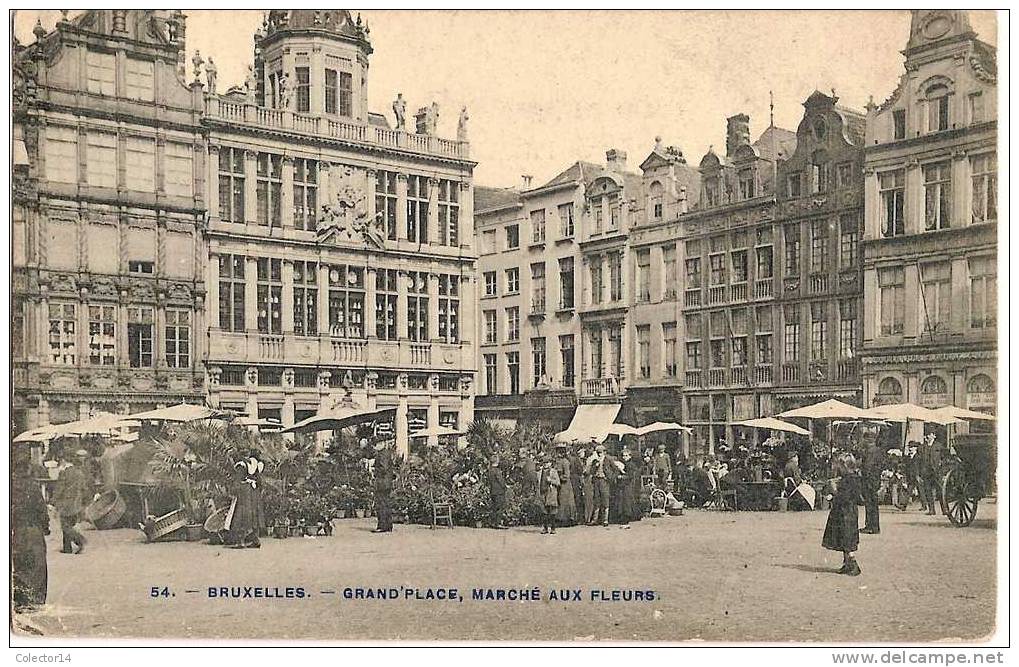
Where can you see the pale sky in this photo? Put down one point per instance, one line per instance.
(547, 88)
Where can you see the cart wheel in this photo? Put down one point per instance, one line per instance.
(958, 498)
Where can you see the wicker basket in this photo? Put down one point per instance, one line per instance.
(219, 520)
(107, 510)
(167, 525)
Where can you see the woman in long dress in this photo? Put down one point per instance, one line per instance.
(29, 527)
(566, 513)
(247, 519)
(842, 531)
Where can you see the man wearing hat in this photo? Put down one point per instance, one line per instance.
(599, 468)
(384, 474)
(69, 498)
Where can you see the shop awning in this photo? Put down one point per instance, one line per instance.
(590, 423)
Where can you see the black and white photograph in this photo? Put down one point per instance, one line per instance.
(571, 327)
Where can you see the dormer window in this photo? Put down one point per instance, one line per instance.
(655, 201)
(976, 108)
(820, 174)
(795, 185)
(711, 191)
(937, 108)
(898, 124)
(746, 184)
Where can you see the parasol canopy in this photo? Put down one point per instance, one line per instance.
(963, 413)
(900, 412)
(348, 415)
(657, 427)
(104, 423)
(179, 413)
(38, 435)
(438, 431)
(620, 430)
(774, 425)
(830, 409)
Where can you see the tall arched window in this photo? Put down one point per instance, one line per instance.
(937, 108)
(889, 390)
(656, 201)
(980, 393)
(934, 392)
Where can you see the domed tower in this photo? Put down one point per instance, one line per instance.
(313, 62)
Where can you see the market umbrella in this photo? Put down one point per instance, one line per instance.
(662, 426)
(104, 423)
(774, 425)
(621, 430)
(439, 431)
(260, 423)
(963, 413)
(901, 412)
(341, 418)
(38, 435)
(830, 409)
(179, 413)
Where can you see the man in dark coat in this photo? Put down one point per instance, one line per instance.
(498, 490)
(931, 457)
(870, 477)
(30, 524)
(663, 468)
(69, 500)
(528, 474)
(601, 470)
(577, 482)
(384, 474)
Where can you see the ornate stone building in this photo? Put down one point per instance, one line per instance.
(341, 248)
(108, 308)
(930, 239)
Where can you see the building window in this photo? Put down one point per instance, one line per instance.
(385, 304)
(936, 296)
(488, 241)
(305, 194)
(179, 171)
(765, 262)
(899, 124)
(980, 395)
(449, 308)
(976, 108)
(717, 268)
(269, 295)
(512, 237)
(739, 351)
(937, 108)
(937, 186)
(644, 350)
(491, 375)
(566, 225)
(794, 185)
(102, 336)
(597, 356)
(61, 154)
(616, 352)
(711, 191)
(616, 276)
(512, 281)
(231, 292)
(656, 200)
(669, 272)
(643, 275)
(984, 170)
(386, 201)
(303, 89)
(346, 302)
(101, 165)
(693, 273)
(449, 213)
(346, 95)
(739, 266)
(818, 331)
(820, 177)
(717, 347)
(792, 334)
(138, 79)
(892, 302)
(669, 349)
(513, 370)
(893, 196)
(792, 250)
(746, 184)
(538, 361)
(330, 91)
(693, 356)
(177, 336)
(139, 337)
(765, 351)
(538, 226)
(566, 290)
(417, 209)
(615, 212)
(305, 298)
(491, 327)
(231, 185)
(983, 292)
(63, 334)
(566, 351)
(141, 267)
(849, 241)
(512, 324)
(491, 283)
(140, 164)
(268, 189)
(417, 306)
(819, 246)
(935, 391)
(101, 72)
(597, 290)
(598, 216)
(889, 390)
(844, 175)
(847, 328)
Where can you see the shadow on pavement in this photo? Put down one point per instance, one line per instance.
(985, 524)
(802, 567)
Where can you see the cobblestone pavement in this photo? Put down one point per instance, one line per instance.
(716, 576)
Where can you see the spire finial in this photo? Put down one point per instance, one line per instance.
(771, 107)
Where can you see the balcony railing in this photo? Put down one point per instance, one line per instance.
(762, 374)
(716, 377)
(420, 355)
(270, 347)
(847, 369)
(790, 372)
(694, 378)
(716, 294)
(738, 292)
(349, 351)
(242, 112)
(692, 298)
(738, 376)
(600, 387)
(764, 288)
(819, 283)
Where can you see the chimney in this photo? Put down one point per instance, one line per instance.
(526, 178)
(615, 160)
(737, 133)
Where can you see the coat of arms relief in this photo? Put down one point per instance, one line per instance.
(346, 214)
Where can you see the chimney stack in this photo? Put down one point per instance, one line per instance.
(737, 133)
(615, 159)
(527, 181)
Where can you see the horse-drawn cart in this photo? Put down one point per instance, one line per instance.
(968, 476)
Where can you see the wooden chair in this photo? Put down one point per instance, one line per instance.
(441, 511)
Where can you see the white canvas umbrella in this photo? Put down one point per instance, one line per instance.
(438, 431)
(657, 427)
(774, 425)
(183, 412)
(41, 434)
(621, 430)
(963, 413)
(341, 418)
(104, 423)
(830, 409)
(900, 412)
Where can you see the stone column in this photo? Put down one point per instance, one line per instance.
(250, 295)
(287, 300)
(433, 211)
(433, 306)
(433, 414)
(606, 353)
(401, 304)
(466, 402)
(466, 216)
(250, 183)
(369, 195)
(400, 426)
(962, 200)
(323, 299)
(212, 182)
(287, 194)
(369, 302)
(401, 206)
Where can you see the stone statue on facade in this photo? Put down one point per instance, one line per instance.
(400, 111)
(210, 75)
(285, 93)
(250, 84)
(461, 126)
(197, 61)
